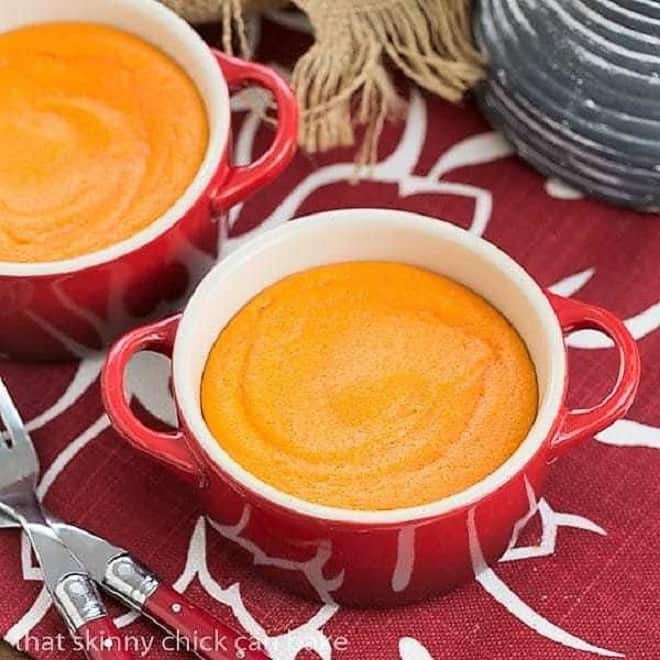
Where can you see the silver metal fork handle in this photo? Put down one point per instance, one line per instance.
(78, 601)
(70, 586)
(129, 581)
(72, 590)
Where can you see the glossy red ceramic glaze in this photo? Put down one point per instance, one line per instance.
(360, 563)
(75, 311)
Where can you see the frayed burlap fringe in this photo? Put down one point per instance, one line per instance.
(204, 11)
(342, 80)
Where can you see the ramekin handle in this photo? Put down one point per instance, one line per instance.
(168, 447)
(243, 180)
(578, 425)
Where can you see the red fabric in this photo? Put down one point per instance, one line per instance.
(594, 578)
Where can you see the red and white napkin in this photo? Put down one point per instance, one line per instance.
(583, 579)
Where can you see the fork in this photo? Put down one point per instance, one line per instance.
(71, 588)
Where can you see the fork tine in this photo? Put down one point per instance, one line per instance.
(12, 419)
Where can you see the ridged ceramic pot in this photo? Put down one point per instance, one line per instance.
(575, 85)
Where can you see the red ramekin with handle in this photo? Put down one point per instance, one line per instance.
(370, 558)
(60, 309)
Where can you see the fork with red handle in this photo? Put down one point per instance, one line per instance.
(74, 561)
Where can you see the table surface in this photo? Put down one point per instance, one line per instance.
(583, 578)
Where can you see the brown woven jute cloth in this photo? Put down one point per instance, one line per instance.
(342, 81)
(7, 653)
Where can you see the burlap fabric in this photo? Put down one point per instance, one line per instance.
(342, 81)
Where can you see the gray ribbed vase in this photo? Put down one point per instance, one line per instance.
(575, 85)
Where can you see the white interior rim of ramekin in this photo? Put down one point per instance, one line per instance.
(191, 349)
(156, 24)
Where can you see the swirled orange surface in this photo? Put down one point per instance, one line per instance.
(100, 133)
(369, 385)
